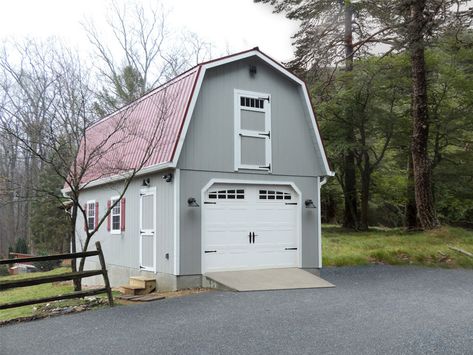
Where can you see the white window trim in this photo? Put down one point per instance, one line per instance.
(90, 202)
(238, 131)
(119, 230)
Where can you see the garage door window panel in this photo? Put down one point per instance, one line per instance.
(274, 195)
(238, 194)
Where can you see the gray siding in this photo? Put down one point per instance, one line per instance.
(209, 143)
(192, 182)
(123, 249)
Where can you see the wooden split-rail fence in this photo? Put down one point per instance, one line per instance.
(4, 285)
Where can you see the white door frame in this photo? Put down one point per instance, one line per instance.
(144, 192)
(251, 182)
(239, 132)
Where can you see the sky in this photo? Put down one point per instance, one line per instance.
(230, 25)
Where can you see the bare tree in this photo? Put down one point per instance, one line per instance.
(66, 138)
(138, 51)
(27, 95)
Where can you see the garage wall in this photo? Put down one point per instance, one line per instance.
(123, 249)
(192, 182)
(209, 143)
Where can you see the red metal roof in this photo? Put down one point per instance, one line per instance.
(141, 134)
(154, 121)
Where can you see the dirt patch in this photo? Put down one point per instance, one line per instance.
(59, 308)
(170, 294)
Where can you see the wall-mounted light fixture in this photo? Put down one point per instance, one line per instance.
(309, 204)
(168, 177)
(146, 182)
(252, 70)
(191, 202)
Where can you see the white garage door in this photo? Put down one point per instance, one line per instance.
(250, 227)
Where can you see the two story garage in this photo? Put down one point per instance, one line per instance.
(232, 184)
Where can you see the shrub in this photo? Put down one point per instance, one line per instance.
(4, 270)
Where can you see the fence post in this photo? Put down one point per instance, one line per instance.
(104, 273)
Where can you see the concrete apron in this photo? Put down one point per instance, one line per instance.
(267, 279)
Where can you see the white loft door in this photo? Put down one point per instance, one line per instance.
(148, 229)
(252, 130)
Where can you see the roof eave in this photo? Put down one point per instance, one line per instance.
(116, 178)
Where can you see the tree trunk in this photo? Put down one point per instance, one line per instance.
(77, 282)
(420, 120)
(365, 191)
(350, 219)
(411, 220)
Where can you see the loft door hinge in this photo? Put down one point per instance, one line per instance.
(266, 134)
(265, 167)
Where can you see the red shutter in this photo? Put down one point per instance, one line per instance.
(109, 213)
(96, 214)
(85, 220)
(122, 213)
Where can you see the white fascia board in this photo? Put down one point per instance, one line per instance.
(187, 119)
(278, 67)
(115, 178)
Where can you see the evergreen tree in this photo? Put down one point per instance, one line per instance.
(50, 222)
(127, 87)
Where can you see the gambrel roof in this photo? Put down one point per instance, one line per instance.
(162, 117)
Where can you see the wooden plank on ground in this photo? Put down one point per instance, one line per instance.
(461, 251)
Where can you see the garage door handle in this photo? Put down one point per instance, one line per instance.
(210, 251)
(290, 249)
(249, 237)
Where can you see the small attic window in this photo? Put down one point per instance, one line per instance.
(251, 102)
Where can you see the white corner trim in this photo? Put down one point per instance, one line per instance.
(319, 222)
(176, 182)
(249, 182)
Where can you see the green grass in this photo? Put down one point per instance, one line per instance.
(32, 292)
(396, 247)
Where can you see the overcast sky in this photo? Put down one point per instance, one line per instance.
(233, 24)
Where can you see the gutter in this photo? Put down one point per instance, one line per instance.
(115, 178)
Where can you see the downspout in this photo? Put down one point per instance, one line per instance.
(321, 180)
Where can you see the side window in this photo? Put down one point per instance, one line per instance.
(252, 130)
(116, 218)
(91, 215)
(115, 215)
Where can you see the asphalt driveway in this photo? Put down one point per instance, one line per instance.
(373, 310)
